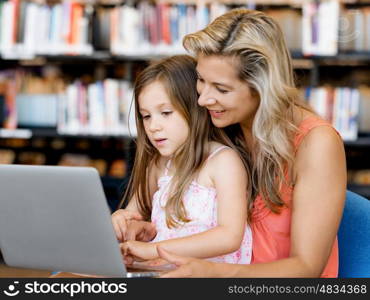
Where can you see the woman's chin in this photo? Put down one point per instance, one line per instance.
(220, 123)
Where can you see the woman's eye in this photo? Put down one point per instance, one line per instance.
(166, 113)
(200, 79)
(146, 117)
(222, 91)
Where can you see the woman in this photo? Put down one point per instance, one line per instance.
(295, 160)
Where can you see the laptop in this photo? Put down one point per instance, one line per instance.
(57, 218)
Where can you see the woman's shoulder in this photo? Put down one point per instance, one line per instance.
(313, 129)
(318, 140)
(320, 136)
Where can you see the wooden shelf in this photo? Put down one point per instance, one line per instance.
(297, 3)
(360, 142)
(346, 58)
(52, 132)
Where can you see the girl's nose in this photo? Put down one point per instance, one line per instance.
(154, 125)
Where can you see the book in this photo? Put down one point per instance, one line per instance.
(364, 110)
(165, 23)
(20, 29)
(31, 32)
(7, 28)
(105, 28)
(347, 30)
(320, 26)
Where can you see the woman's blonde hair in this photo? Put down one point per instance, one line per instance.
(178, 76)
(264, 63)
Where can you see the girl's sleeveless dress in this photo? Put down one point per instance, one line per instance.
(201, 206)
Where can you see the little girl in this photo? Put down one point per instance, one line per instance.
(185, 180)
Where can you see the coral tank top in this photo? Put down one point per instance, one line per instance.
(270, 231)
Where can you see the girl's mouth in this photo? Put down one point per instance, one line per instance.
(160, 142)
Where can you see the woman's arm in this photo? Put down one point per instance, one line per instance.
(229, 178)
(318, 202)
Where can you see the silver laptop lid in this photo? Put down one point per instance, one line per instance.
(57, 218)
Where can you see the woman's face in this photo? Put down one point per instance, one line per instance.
(228, 99)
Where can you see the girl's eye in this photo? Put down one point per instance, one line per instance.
(146, 117)
(166, 113)
(200, 79)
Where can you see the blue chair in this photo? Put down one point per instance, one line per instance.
(354, 238)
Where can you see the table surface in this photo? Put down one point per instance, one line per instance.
(6, 272)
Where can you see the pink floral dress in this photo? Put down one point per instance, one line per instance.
(201, 206)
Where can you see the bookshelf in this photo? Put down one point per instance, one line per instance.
(102, 46)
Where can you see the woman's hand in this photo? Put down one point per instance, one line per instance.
(138, 251)
(187, 266)
(120, 220)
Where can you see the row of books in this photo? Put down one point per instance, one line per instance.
(321, 28)
(142, 29)
(96, 108)
(327, 29)
(29, 100)
(146, 29)
(346, 108)
(354, 30)
(29, 28)
(117, 168)
(100, 108)
(104, 108)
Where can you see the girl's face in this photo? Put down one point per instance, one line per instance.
(165, 127)
(228, 99)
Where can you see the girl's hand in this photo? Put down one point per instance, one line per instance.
(120, 219)
(186, 266)
(140, 231)
(138, 251)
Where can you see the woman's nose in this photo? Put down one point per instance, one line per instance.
(206, 100)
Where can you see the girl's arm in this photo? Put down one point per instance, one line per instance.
(229, 177)
(318, 202)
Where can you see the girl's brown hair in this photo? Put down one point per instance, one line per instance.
(178, 76)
